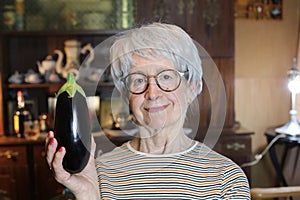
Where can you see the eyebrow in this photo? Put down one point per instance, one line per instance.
(159, 69)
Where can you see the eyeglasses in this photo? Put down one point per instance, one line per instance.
(167, 80)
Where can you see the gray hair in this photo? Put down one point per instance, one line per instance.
(152, 41)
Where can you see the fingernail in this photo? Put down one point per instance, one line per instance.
(49, 134)
(61, 149)
(51, 141)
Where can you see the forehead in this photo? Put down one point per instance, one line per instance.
(150, 63)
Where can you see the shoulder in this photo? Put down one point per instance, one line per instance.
(218, 162)
(116, 153)
(201, 151)
(234, 181)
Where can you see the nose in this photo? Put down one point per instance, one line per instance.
(153, 91)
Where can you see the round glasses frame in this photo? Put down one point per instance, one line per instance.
(180, 75)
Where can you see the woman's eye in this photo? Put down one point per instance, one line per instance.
(167, 77)
(138, 81)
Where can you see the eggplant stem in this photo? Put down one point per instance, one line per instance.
(71, 87)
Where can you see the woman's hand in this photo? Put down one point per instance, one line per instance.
(83, 185)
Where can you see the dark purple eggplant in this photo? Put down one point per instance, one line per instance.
(72, 126)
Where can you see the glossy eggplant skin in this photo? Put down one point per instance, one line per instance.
(72, 130)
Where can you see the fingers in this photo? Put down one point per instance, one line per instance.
(61, 175)
(51, 145)
(55, 158)
(49, 136)
(93, 147)
(58, 157)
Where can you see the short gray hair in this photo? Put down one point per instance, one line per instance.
(153, 40)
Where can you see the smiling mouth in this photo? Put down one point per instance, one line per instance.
(156, 109)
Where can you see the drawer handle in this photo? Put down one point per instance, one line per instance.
(236, 146)
(9, 154)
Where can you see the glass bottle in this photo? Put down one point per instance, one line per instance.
(21, 115)
(19, 16)
(8, 14)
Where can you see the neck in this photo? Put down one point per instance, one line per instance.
(162, 142)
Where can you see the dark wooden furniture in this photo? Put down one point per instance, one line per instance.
(21, 49)
(289, 143)
(236, 145)
(24, 173)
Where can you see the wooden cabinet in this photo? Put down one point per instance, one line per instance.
(24, 173)
(14, 172)
(21, 51)
(46, 187)
(210, 23)
(236, 145)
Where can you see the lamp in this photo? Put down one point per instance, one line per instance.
(292, 128)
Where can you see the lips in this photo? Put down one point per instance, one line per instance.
(154, 109)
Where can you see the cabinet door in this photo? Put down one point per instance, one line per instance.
(46, 185)
(14, 173)
(211, 23)
(7, 186)
(236, 147)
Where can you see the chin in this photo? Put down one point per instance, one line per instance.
(156, 125)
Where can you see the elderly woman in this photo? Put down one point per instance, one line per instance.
(157, 69)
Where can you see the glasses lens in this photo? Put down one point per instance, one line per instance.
(168, 80)
(136, 83)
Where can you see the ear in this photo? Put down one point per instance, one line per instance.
(192, 91)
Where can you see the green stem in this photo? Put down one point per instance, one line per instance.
(71, 87)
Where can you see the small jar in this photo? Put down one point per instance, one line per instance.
(43, 123)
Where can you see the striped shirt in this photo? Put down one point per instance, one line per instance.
(197, 173)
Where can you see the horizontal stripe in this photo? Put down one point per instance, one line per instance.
(199, 173)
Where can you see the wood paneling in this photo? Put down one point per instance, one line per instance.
(218, 40)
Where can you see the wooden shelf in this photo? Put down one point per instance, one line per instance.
(47, 85)
(34, 85)
(54, 87)
(62, 32)
(258, 10)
